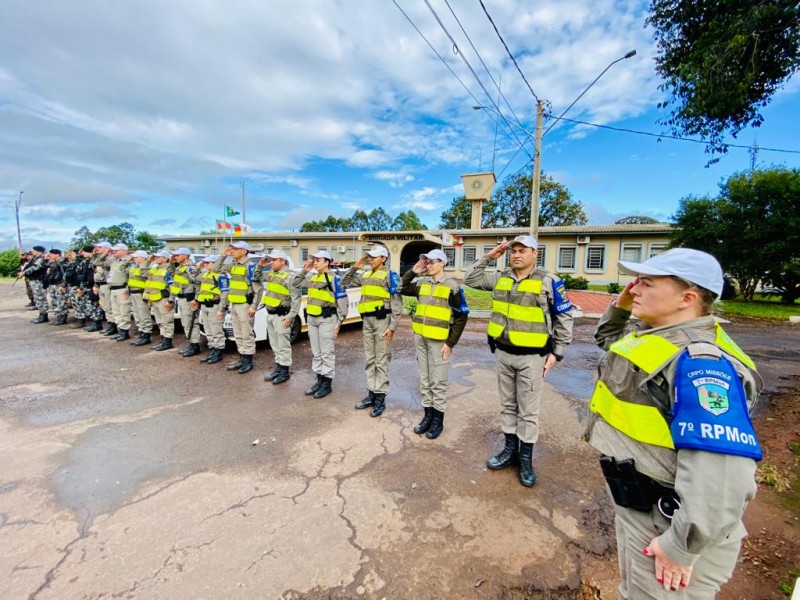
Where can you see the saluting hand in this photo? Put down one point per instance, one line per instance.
(625, 299)
(362, 260)
(420, 267)
(497, 251)
(308, 265)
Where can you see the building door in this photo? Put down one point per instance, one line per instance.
(410, 254)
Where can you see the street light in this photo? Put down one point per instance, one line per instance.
(16, 211)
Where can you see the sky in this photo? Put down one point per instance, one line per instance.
(154, 112)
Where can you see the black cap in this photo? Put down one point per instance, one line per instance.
(55, 251)
(89, 249)
(39, 248)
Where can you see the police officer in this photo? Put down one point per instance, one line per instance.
(156, 293)
(530, 328)
(35, 272)
(326, 308)
(72, 285)
(282, 302)
(182, 294)
(137, 281)
(24, 259)
(91, 301)
(236, 287)
(121, 309)
(101, 261)
(54, 281)
(381, 307)
(207, 301)
(670, 414)
(438, 323)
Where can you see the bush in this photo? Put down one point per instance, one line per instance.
(9, 263)
(574, 283)
(409, 305)
(614, 288)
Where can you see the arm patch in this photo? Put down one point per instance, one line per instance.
(394, 282)
(561, 303)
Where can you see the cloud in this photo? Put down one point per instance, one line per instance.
(395, 179)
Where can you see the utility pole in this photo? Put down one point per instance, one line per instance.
(244, 207)
(16, 211)
(536, 176)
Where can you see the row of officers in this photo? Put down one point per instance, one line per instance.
(670, 412)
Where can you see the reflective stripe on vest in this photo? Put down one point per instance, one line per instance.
(374, 291)
(239, 286)
(319, 295)
(276, 292)
(156, 283)
(517, 310)
(209, 288)
(179, 280)
(646, 423)
(137, 277)
(432, 316)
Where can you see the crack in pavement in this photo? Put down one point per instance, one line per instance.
(159, 490)
(5, 521)
(264, 554)
(240, 504)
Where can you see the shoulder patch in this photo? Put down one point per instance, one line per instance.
(561, 302)
(394, 282)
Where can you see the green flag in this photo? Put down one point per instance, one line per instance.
(230, 212)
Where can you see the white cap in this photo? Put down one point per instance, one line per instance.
(435, 255)
(140, 254)
(103, 245)
(120, 246)
(378, 250)
(525, 240)
(277, 254)
(694, 266)
(211, 258)
(181, 250)
(322, 254)
(163, 254)
(240, 246)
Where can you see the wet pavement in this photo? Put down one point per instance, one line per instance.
(128, 473)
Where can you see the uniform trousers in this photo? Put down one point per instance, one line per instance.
(323, 345)
(28, 289)
(191, 331)
(243, 329)
(378, 354)
(58, 300)
(121, 309)
(635, 530)
(105, 302)
(79, 302)
(520, 382)
(280, 339)
(164, 318)
(212, 327)
(141, 313)
(433, 372)
(39, 296)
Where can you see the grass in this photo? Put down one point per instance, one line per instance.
(760, 308)
(478, 299)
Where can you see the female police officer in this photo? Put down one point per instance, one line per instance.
(670, 413)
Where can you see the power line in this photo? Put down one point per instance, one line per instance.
(514, 60)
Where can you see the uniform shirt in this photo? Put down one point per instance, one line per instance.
(224, 269)
(102, 265)
(458, 304)
(354, 278)
(301, 282)
(261, 274)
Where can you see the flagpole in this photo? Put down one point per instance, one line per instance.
(244, 206)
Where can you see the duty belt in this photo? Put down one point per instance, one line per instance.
(209, 303)
(117, 287)
(137, 291)
(518, 350)
(633, 489)
(189, 296)
(281, 311)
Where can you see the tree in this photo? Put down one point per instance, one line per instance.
(510, 206)
(637, 220)
(407, 221)
(752, 228)
(147, 242)
(722, 62)
(376, 220)
(9, 262)
(124, 233)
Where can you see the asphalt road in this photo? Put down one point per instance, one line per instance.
(128, 473)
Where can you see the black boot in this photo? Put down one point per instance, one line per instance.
(42, 318)
(166, 344)
(110, 330)
(368, 401)
(216, 356)
(95, 326)
(123, 335)
(78, 324)
(60, 320)
(282, 376)
(508, 456)
(235, 366)
(425, 424)
(144, 339)
(437, 425)
(313, 389)
(380, 405)
(272, 374)
(192, 350)
(247, 364)
(526, 475)
(31, 304)
(325, 387)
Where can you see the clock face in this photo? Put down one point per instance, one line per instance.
(477, 184)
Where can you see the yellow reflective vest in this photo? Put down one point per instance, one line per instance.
(276, 290)
(209, 286)
(432, 316)
(374, 291)
(320, 293)
(239, 284)
(180, 280)
(137, 278)
(518, 311)
(156, 283)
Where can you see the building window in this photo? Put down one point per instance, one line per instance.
(287, 250)
(541, 257)
(566, 258)
(656, 249)
(303, 253)
(486, 249)
(631, 253)
(468, 256)
(450, 252)
(595, 258)
(322, 249)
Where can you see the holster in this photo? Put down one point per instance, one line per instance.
(632, 489)
(492, 343)
(328, 311)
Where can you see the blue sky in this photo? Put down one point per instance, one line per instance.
(154, 112)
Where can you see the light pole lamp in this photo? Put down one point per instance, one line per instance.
(17, 204)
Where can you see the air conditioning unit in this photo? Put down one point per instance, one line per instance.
(502, 239)
(294, 243)
(258, 247)
(342, 249)
(584, 239)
